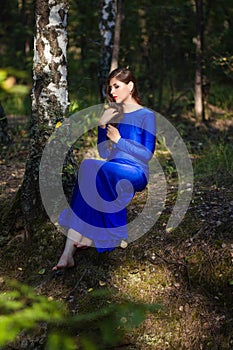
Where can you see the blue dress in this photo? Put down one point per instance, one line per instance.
(104, 188)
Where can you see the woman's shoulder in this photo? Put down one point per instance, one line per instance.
(148, 120)
(147, 113)
(139, 117)
(147, 110)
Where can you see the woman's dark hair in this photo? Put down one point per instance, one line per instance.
(124, 75)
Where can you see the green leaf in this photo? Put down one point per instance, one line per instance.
(61, 341)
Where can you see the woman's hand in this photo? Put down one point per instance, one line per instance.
(113, 133)
(107, 116)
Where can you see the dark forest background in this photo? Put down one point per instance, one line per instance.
(157, 42)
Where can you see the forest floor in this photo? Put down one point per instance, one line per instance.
(189, 270)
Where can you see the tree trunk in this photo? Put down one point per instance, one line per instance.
(4, 136)
(161, 75)
(49, 97)
(26, 9)
(199, 103)
(106, 27)
(117, 35)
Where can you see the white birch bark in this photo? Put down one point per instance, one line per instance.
(107, 17)
(49, 96)
(50, 62)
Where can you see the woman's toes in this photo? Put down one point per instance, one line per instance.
(64, 262)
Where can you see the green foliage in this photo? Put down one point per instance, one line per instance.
(215, 162)
(221, 95)
(22, 310)
(60, 341)
(14, 91)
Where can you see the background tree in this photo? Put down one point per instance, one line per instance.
(107, 17)
(4, 135)
(16, 32)
(198, 40)
(117, 34)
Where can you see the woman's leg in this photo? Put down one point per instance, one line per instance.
(85, 242)
(74, 240)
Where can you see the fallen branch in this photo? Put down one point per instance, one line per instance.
(76, 285)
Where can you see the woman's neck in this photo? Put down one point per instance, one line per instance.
(131, 107)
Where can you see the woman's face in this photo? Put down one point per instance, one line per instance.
(121, 92)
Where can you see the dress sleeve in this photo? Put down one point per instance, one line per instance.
(103, 144)
(144, 149)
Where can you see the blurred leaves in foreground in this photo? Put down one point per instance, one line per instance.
(22, 311)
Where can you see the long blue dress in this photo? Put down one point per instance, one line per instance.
(104, 188)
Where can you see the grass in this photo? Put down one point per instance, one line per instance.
(221, 96)
(215, 163)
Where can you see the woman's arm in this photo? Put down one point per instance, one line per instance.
(108, 114)
(144, 149)
(103, 142)
(103, 137)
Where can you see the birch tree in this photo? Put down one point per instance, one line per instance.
(49, 96)
(117, 34)
(107, 17)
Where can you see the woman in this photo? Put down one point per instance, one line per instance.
(97, 216)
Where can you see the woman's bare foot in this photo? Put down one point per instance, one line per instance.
(74, 240)
(66, 260)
